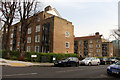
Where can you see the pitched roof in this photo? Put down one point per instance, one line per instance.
(54, 12)
(88, 37)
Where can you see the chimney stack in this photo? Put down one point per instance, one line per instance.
(97, 33)
(48, 8)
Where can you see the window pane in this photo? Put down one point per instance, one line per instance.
(67, 34)
(29, 30)
(20, 28)
(38, 28)
(91, 41)
(11, 41)
(36, 48)
(28, 48)
(37, 38)
(18, 43)
(29, 40)
(11, 48)
(12, 35)
(67, 44)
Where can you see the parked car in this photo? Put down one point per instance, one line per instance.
(114, 69)
(90, 61)
(70, 61)
(104, 61)
(113, 60)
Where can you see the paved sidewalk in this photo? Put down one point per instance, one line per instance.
(4, 62)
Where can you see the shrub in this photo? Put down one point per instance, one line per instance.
(14, 55)
(3, 53)
(48, 56)
(118, 58)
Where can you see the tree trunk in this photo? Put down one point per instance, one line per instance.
(4, 38)
(7, 43)
(21, 56)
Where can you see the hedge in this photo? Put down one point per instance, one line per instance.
(118, 58)
(15, 54)
(109, 57)
(48, 56)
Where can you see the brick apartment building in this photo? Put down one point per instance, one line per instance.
(92, 46)
(107, 49)
(48, 33)
(116, 44)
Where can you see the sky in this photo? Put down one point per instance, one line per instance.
(88, 16)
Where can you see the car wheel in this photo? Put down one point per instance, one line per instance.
(55, 65)
(105, 63)
(89, 64)
(77, 64)
(65, 65)
(110, 62)
(73, 65)
(98, 63)
(108, 74)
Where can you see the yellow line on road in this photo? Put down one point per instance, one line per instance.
(17, 64)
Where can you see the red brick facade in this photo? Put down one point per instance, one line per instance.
(46, 34)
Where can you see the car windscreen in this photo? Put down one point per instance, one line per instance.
(101, 58)
(112, 58)
(87, 58)
(118, 63)
(69, 58)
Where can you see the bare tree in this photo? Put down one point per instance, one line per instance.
(116, 34)
(26, 9)
(8, 9)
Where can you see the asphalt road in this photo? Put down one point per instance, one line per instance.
(56, 72)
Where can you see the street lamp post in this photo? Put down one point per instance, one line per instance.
(118, 48)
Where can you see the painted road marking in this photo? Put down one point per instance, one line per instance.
(70, 70)
(21, 74)
(18, 64)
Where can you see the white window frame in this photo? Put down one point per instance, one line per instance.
(98, 50)
(91, 41)
(29, 30)
(20, 28)
(90, 46)
(91, 50)
(38, 48)
(98, 46)
(11, 48)
(67, 34)
(18, 48)
(66, 44)
(18, 43)
(28, 48)
(38, 19)
(29, 40)
(37, 28)
(6, 29)
(12, 29)
(37, 38)
(98, 41)
(80, 43)
(11, 35)
(111, 48)
(11, 41)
